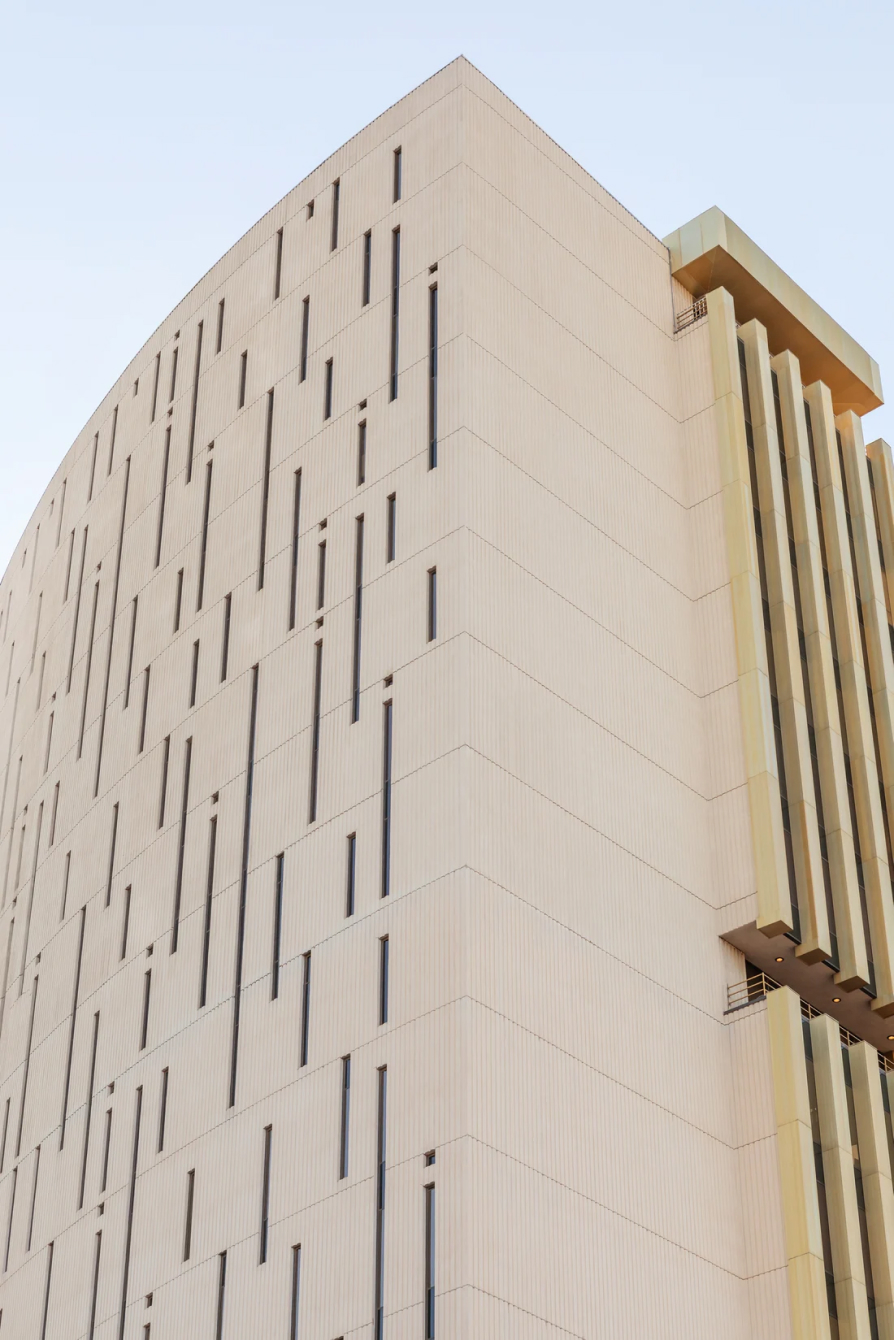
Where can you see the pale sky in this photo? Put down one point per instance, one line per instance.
(138, 144)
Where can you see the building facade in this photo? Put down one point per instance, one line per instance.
(447, 748)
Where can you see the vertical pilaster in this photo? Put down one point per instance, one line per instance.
(803, 1238)
(861, 749)
(878, 1195)
(768, 842)
(879, 453)
(815, 944)
(841, 1189)
(853, 966)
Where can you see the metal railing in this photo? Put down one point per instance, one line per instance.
(758, 987)
(745, 993)
(690, 315)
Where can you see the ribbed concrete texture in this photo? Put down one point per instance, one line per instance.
(394, 768)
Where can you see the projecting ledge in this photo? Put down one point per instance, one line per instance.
(711, 252)
(815, 983)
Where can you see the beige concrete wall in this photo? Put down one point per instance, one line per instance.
(570, 805)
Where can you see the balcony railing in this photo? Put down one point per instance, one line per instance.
(758, 987)
(690, 315)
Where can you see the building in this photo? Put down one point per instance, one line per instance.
(447, 756)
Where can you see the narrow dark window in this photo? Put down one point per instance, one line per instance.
(77, 612)
(380, 1202)
(133, 633)
(243, 373)
(33, 1199)
(178, 601)
(390, 528)
(92, 468)
(125, 921)
(61, 510)
(243, 881)
(203, 552)
(265, 1196)
(430, 1158)
(305, 1008)
(315, 733)
(225, 644)
(71, 543)
(221, 1295)
(277, 275)
(54, 813)
(36, 633)
(194, 673)
(163, 1111)
(277, 926)
(361, 453)
(128, 1239)
(432, 604)
(190, 1195)
(293, 575)
(111, 642)
(46, 756)
(144, 710)
(173, 374)
(94, 1288)
(65, 877)
(89, 1113)
(386, 803)
(345, 1116)
(71, 1028)
(333, 237)
(88, 669)
(5, 1132)
(163, 795)
(352, 875)
(112, 440)
(195, 402)
(296, 1290)
(305, 330)
(155, 387)
(46, 1291)
(383, 979)
(327, 397)
(395, 308)
(106, 1147)
(206, 929)
(166, 460)
(398, 157)
(181, 842)
(113, 842)
(147, 991)
(265, 489)
(367, 267)
(358, 616)
(220, 324)
(430, 1262)
(321, 574)
(12, 1205)
(433, 377)
(310, 209)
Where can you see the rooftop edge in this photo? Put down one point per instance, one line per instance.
(712, 252)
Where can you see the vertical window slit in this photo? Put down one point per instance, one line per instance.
(243, 373)
(194, 673)
(203, 552)
(112, 441)
(87, 671)
(361, 453)
(395, 310)
(190, 452)
(390, 527)
(430, 1262)
(206, 929)
(125, 922)
(163, 1111)
(433, 377)
(265, 489)
(386, 802)
(155, 387)
(293, 574)
(225, 642)
(296, 1290)
(128, 1237)
(327, 398)
(243, 882)
(277, 273)
(221, 1295)
(277, 926)
(333, 237)
(397, 183)
(352, 875)
(89, 1112)
(358, 615)
(130, 646)
(144, 1023)
(432, 604)
(315, 733)
(30, 1236)
(108, 670)
(380, 1202)
(93, 467)
(166, 459)
(181, 844)
(77, 611)
(187, 1231)
(106, 1147)
(144, 710)
(305, 330)
(178, 601)
(265, 1196)
(220, 325)
(173, 374)
(345, 1116)
(71, 1028)
(367, 267)
(94, 1287)
(305, 1008)
(163, 795)
(384, 946)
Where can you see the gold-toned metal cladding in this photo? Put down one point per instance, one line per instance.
(774, 915)
(815, 943)
(797, 1170)
(875, 1165)
(879, 454)
(872, 595)
(841, 1187)
(876, 877)
(853, 965)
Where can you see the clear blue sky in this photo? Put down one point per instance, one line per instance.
(139, 142)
